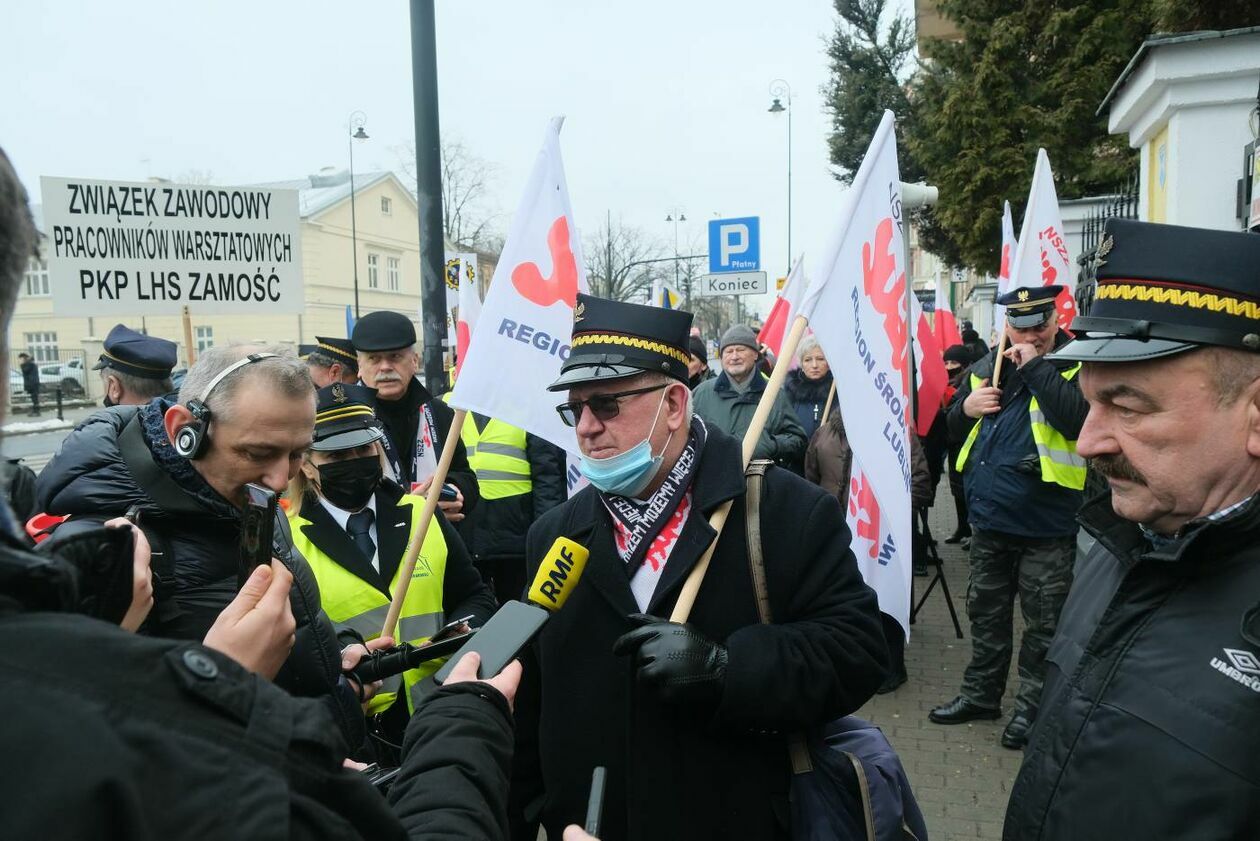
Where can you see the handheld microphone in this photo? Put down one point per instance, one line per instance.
(387, 662)
(558, 574)
(512, 628)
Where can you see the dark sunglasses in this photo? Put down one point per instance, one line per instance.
(604, 407)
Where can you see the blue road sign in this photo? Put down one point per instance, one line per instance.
(735, 245)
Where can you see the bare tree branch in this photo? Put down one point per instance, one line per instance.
(615, 262)
(468, 219)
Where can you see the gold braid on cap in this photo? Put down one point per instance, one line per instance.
(1132, 290)
(340, 412)
(111, 356)
(629, 341)
(337, 352)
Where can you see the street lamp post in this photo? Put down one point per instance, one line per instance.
(677, 215)
(354, 128)
(780, 90)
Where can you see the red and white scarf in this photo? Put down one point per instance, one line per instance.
(645, 531)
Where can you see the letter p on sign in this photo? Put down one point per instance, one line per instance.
(734, 240)
(734, 245)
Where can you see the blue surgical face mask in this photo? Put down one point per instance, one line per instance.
(628, 473)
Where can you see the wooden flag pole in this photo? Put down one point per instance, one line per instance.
(691, 587)
(997, 363)
(831, 395)
(426, 517)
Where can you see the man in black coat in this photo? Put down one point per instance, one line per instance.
(691, 720)
(416, 424)
(30, 380)
(1147, 728)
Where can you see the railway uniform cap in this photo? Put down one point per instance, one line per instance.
(129, 352)
(345, 417)
(1166, 289)
(340, 350)
(612, 340)
(1029, 306)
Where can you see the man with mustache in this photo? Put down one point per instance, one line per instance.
(1152, 693)
(1023, 483)
(416, 424)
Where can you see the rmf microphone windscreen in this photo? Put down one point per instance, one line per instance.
(558, 574)
(501, 639)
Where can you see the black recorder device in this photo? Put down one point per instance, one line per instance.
(258, 523)
(501, 639)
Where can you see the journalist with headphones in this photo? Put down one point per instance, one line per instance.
(244, 414)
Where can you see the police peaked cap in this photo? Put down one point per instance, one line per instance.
(129, 352)
(383, 330)
(612, 340)
(1165, 289)
(1029, 306)
(345, 417)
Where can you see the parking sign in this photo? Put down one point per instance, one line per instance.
(735, 245)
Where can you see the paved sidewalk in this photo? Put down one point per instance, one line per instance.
(960, 774)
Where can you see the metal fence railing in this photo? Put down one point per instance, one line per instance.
(1123, 204)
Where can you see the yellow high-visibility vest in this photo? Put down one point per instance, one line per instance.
(497, 455)
(1057, 454)
(351, 602)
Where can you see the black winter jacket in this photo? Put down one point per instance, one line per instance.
(109, 734)
(113, 735)
(109, 463)
(809, 398)
(682, 773)
(1148, 721)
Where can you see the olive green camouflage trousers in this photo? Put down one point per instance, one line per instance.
(1002, 565)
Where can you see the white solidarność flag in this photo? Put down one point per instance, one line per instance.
(1009, 246)
(857, 308)
(1041, 257)
(527, 317)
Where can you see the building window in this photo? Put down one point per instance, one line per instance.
(387, 206)
(42, 346)
(392, 273)
(205, 338)
(374, 271)
(37, 279)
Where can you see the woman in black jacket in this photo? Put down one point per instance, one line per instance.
(809, 385)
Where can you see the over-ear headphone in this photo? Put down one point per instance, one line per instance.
(191, 439)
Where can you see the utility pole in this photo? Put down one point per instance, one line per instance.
(429, 194)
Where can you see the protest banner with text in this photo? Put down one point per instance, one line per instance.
(153, 248)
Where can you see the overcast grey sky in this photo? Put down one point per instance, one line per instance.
(665, 101)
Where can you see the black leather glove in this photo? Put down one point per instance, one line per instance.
(678, 662)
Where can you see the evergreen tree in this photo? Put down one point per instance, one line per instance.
(870, 73)
(1020, 78)
(971, 118)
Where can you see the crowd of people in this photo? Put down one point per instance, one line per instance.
(157, 688)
